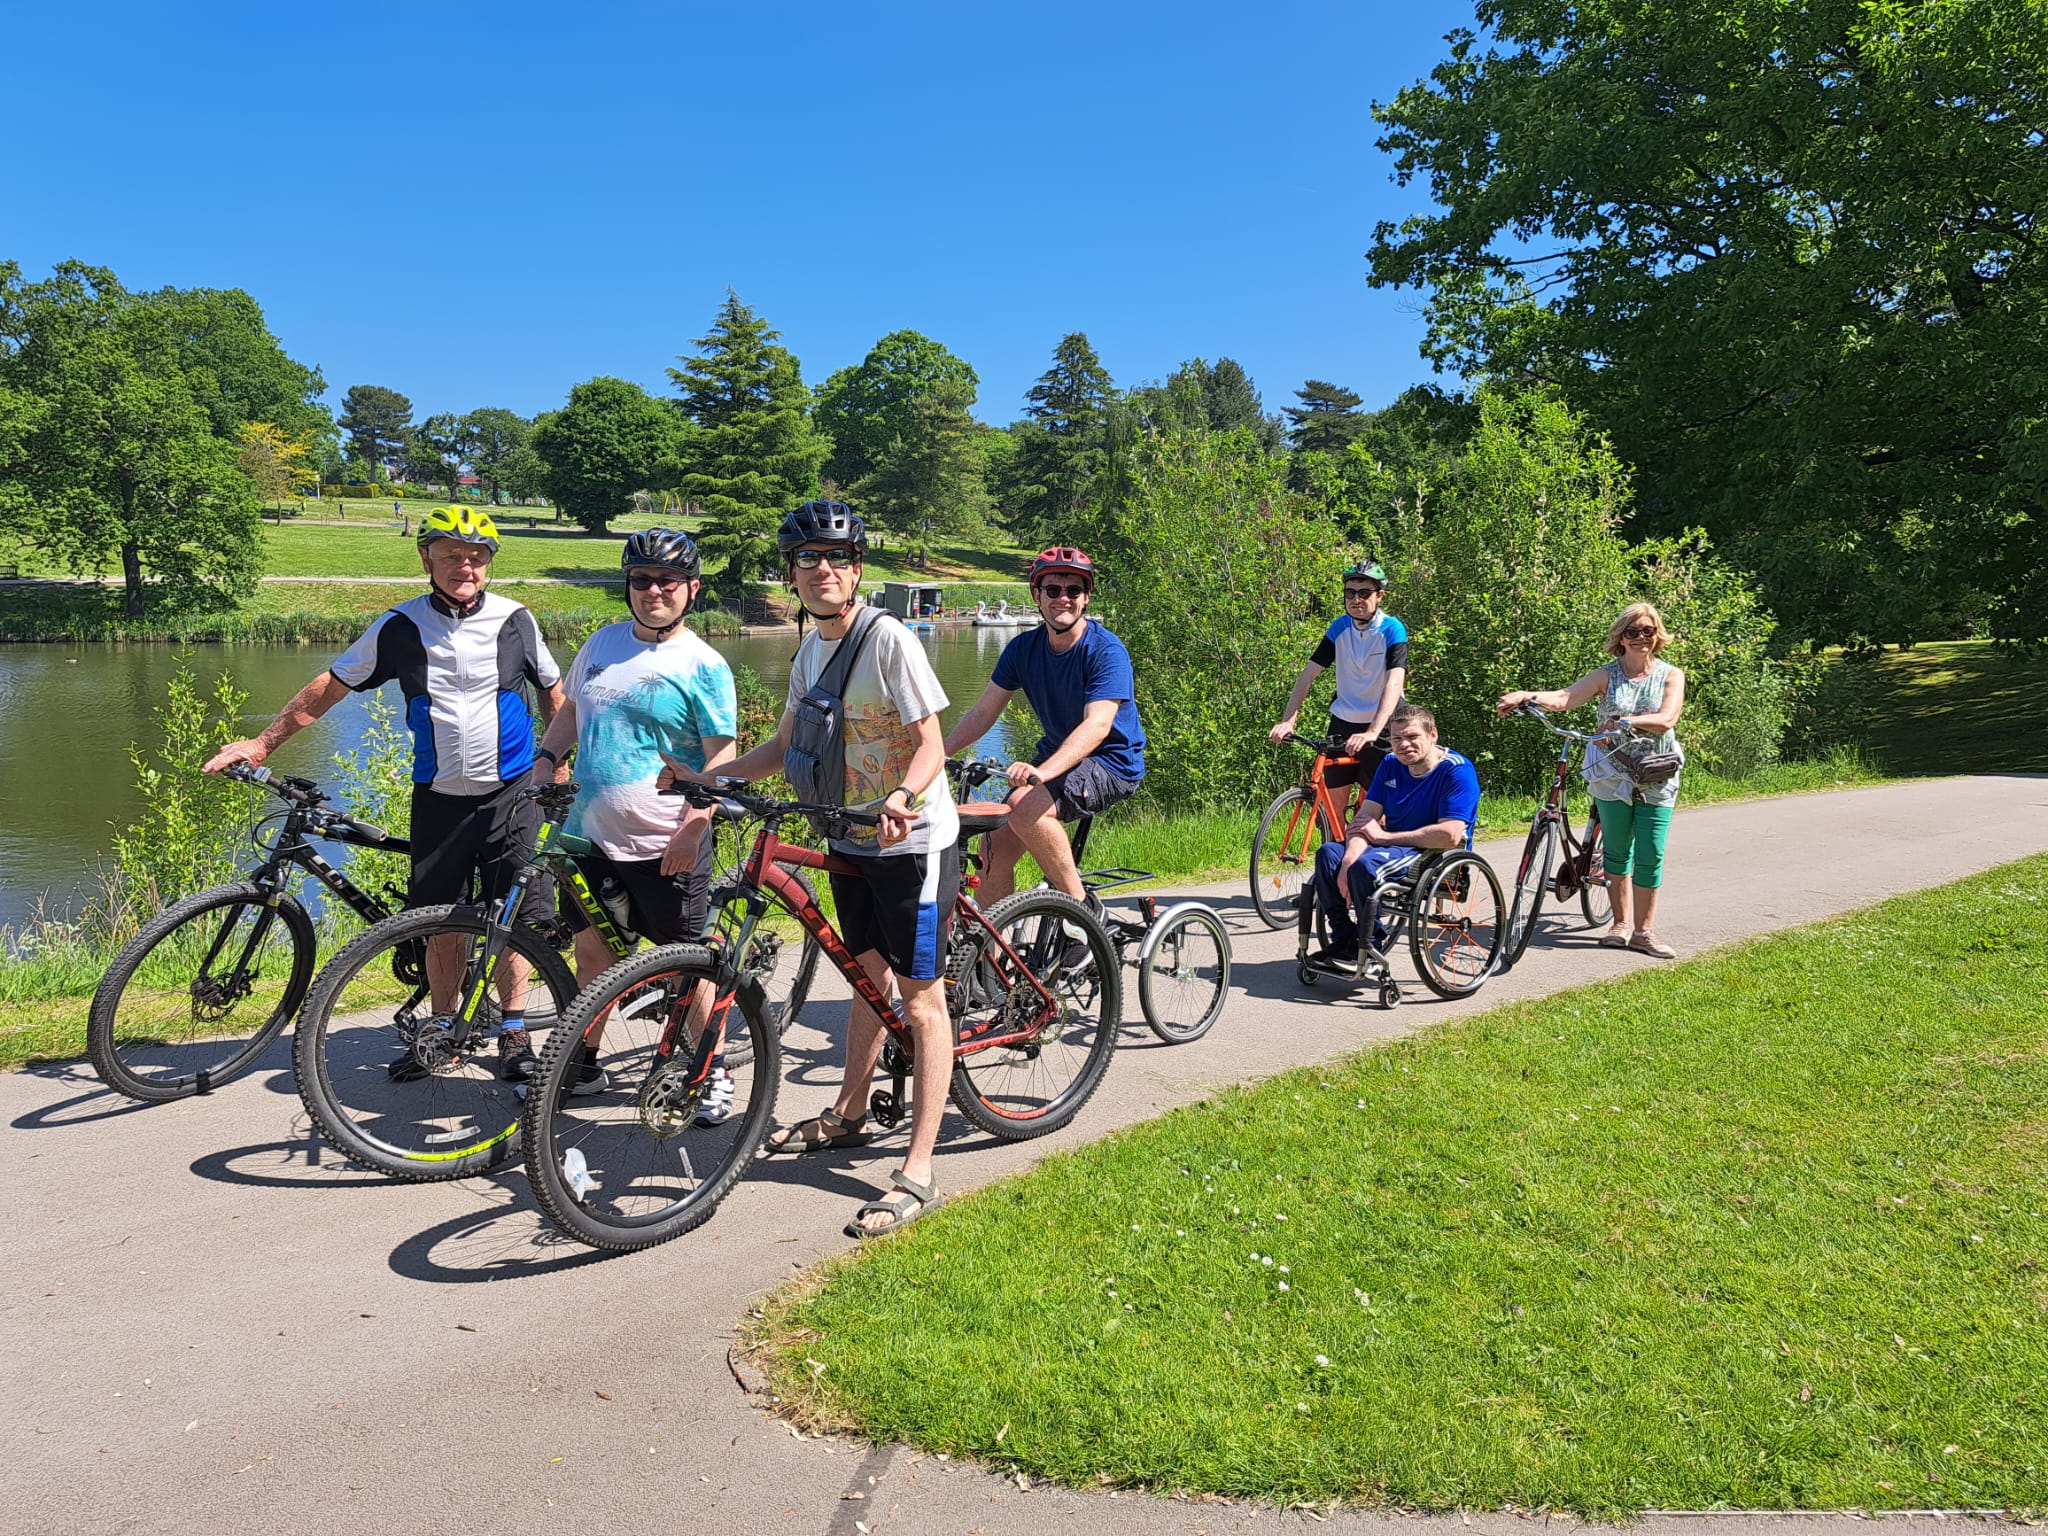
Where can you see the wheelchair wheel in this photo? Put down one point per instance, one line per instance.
(1456, 924)
(1184, 973)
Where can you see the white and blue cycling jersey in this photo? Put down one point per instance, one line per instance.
(1363, 656)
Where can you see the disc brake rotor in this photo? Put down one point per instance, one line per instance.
(669, 1100)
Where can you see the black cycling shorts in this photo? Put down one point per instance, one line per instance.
(490, 835)
(1088, 789)
(899, 904)
(1368, 761)
(663, 909)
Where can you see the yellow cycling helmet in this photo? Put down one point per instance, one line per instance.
(464, 523)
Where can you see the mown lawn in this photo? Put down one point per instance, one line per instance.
(1765, 1230)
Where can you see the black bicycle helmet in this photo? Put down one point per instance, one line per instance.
(667, 547)
(822, 522)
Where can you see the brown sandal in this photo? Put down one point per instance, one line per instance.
(822, 1132)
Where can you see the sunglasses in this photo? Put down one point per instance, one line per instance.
(839, 559)
(1360, 592)
(1055, 589)
(1640, 632)
(640, 581)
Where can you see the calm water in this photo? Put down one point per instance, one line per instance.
(70, 715)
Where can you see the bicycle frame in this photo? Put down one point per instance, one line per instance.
(1574, 870)
(1328, 816)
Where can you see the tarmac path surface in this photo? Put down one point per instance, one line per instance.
(212, 1323)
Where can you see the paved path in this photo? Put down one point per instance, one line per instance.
(211, 1324)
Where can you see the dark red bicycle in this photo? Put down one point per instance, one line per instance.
(1033, 985)
(1555, 863)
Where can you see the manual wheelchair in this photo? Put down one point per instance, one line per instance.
(1448, 902)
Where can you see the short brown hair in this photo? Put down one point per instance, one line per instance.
(1408, 712)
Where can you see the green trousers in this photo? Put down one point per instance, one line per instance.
(1634, 834)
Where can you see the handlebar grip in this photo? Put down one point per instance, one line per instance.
(364, 829)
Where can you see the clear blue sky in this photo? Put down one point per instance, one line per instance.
(482, 205)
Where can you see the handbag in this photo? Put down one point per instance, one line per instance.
(815, 761)
(1647, 767)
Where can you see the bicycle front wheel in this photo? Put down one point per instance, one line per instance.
(627, 1145)
(1532, 884)
(1458, 923)
(1283, 855)
(396, 1086)
(197, 996)
(1184, 973)
(1596, 896)
(1037, 1000)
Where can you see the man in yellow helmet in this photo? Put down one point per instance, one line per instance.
(464, 659)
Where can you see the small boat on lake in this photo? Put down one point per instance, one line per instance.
(1000, 617)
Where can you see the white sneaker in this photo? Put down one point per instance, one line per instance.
(716, 1108)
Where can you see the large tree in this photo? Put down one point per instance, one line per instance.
(755, 454)
(107, 450)
(238, 369)
(378, 424)
(930, 482)
(1326, 421)
(866, 408)
(1789, 257)
(609, 441)
(436, 451)
(1060, 444)
(1204, 396)
(489, 438)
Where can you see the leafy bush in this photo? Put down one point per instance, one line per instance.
(1218, 578)
(1509, 570)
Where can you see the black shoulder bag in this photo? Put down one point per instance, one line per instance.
(815, 763)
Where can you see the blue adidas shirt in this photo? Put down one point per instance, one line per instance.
(1448, 792)
(1060, 689)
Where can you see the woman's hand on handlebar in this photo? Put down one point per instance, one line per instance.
(1513, 700)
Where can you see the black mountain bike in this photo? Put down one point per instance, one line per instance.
(193, 999)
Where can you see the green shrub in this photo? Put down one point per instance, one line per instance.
(1218, 578)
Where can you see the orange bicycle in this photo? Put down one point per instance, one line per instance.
(1299, 821)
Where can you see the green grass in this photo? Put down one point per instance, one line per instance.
(1765, 1230)
(1963, 706)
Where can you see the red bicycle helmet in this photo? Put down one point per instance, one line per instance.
(1063, 557)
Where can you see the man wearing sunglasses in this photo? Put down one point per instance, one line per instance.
(1079, 681)
(465, 661)
(1369, 649)
(644, 693)
(894, 909)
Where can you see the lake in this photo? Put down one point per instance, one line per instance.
(71, 713)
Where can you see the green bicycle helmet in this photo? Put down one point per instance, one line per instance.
(1366, 570)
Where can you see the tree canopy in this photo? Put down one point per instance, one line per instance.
(378, 424)
(1060, 444)
(609, 441)
(865, 408)
(931, 481)
(107, 447)
(755, 453)
(1789, 258)
(1327, 420)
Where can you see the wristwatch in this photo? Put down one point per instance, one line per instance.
(552, 756)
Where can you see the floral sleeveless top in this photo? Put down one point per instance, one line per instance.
(1633, 696)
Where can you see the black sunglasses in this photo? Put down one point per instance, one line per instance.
(811, 559)
(1055, 589)
(1640, 632)
(642, 581)
(1351, 592)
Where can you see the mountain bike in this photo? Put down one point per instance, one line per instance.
(1582, 873)
(448, 1113)
(640, 1163)
(194, 999)
(1299, 821)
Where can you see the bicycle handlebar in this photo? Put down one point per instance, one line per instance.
(765, 806)
(287, 787)
(1326, 746)
(970, 772)
(1612, 733)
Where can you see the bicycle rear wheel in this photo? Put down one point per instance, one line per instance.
(644, 1151)
(782, 956)
(446, 1114)
(1532, 884)
(1283, 855)
(197, 996)
(1184, 973)
(1036, 1007)
(1457, 925)
(1596, 896)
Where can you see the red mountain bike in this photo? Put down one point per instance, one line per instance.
(1033, 984)
(1580, 873)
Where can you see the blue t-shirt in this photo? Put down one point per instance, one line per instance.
(1060, 689)
(1448, 792)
